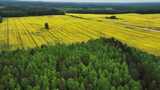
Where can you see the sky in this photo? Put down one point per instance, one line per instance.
(98, 0)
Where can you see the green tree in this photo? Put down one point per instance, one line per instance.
(44, 83)
(72, 84)
(134, 85)
(103, 83)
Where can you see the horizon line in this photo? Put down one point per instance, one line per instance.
(83, 1)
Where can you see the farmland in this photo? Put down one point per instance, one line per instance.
(137, 30)
(79, 46)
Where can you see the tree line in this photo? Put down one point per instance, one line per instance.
(28, 11)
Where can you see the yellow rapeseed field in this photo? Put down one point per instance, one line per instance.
(137, 30)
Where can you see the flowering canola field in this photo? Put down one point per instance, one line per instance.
(137, 30)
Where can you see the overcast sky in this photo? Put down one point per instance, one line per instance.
(99, 0)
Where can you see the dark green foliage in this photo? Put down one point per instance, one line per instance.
(48, 8)
(1, 19)
(142, 66)
(96, 65)
(113, 17)
(30, 12)
(149, 69)
(24, 9)
(46, 25)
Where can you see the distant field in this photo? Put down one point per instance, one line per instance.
(137, 30)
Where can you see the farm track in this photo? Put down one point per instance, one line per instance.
(27, 42)
(142, 34)
(42, 40)
(58, 32)
(7, 34)
(13, 41)
(19, 37)
(2, 36)
(53, 34)
(94, 25)
(29, 32)
(63, 29)
(137, 35)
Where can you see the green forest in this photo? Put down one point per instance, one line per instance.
(17, 9)
(102, 64)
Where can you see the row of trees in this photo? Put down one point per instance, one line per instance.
(28, 11)
(95, 65)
